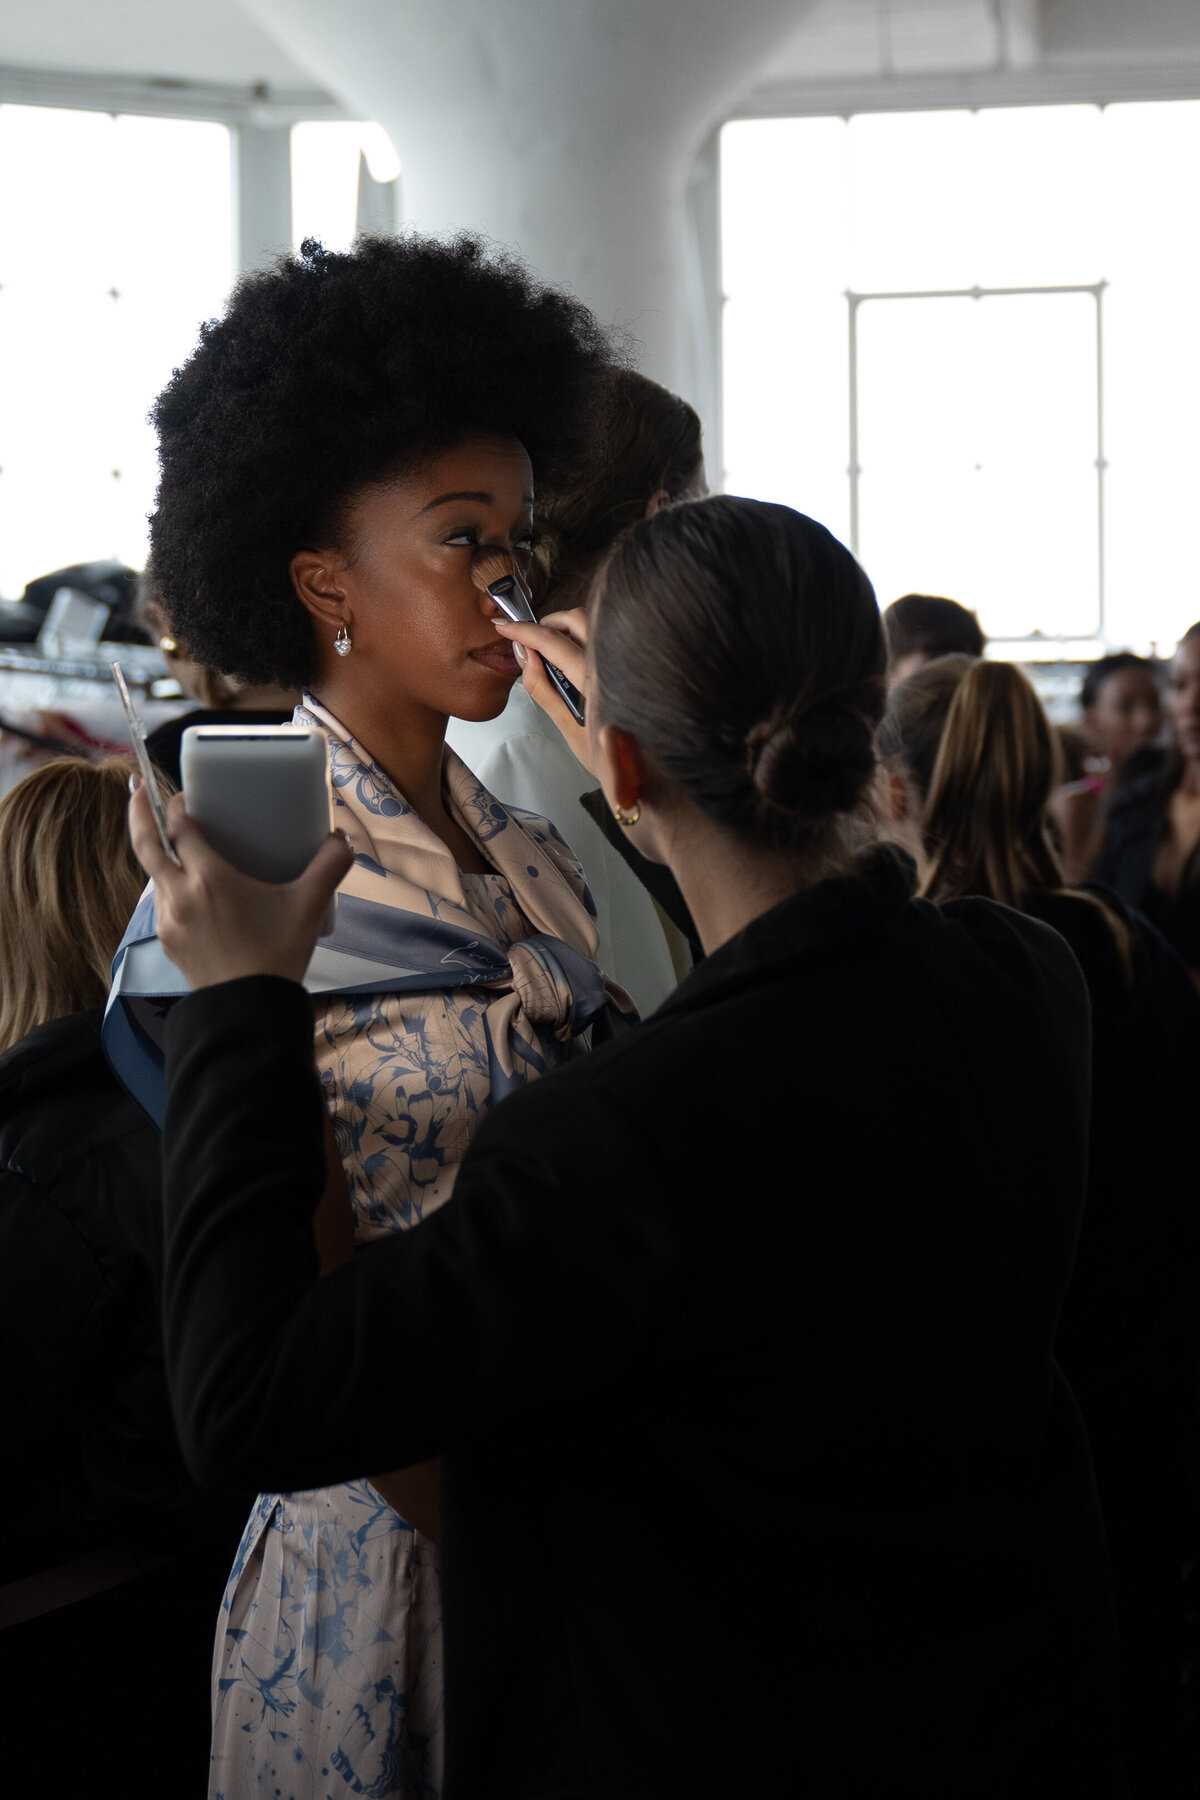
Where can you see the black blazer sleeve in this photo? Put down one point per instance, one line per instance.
(535, 1280)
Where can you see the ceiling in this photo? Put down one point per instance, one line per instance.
(847, 38)
(205, 41)
(221, 41)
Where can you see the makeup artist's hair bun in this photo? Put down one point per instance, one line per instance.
(814, 757)
(741, 645)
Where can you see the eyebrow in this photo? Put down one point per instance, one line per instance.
(468, 494)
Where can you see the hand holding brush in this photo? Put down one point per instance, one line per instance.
(496, 575)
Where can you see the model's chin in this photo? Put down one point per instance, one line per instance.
(491, 698)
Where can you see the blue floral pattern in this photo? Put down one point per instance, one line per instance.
(329, 1664)
(408, 1079)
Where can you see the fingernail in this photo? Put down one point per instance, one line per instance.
(520, 654)
(345, 837)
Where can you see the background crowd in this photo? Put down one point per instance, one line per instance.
(793, 1392)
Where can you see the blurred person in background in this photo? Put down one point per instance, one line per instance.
(971, 766)
(1121, 721)
(223, 699)
(1151, 850)
(1121, 709)
(757, 1477)
(102, 1528)
(646, 453)
(1078, 804)
(919, 627)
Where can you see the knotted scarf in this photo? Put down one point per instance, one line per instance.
(405, 926)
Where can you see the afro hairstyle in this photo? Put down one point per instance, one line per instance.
(328, 373)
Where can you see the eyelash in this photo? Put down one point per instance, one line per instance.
(528, 541)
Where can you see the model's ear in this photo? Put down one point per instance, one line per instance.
(316, 577)
(659, 498)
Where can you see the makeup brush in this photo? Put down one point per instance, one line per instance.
(495, 575)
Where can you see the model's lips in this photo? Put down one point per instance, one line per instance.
(498, 657)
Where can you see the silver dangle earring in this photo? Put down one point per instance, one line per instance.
(341, 641)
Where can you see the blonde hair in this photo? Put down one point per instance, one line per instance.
(69, 881)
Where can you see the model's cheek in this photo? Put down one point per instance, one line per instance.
(443, 628)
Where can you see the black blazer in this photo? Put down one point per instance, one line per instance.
(93, 1471)
(1126, 1341)
(735, 1342)
(85, 1401)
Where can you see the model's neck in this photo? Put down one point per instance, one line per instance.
(407, 743)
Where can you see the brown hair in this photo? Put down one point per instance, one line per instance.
(916, 714)
(975, 742)
(930, 625)
(70, 882)
(740, 643)
(986, 819)
(647, 441)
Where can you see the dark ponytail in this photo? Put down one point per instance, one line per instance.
(740, 643)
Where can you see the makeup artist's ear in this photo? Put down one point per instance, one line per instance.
(316, 578)
(622, 768)
(895, 791)
(659, 498)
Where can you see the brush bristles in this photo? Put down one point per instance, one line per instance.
(489, 568)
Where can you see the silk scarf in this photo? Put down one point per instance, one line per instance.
(403, 925)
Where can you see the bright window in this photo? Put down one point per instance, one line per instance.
(977, 423)
(115, 243)
(325, 178)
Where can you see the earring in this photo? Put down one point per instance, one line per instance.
(168, 646)
(341, 641)
(628, 818)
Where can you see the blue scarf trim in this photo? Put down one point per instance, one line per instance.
(373, 949)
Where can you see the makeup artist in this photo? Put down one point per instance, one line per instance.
(757, 1475)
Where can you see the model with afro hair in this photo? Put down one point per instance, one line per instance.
(342, 454)
(328, 373)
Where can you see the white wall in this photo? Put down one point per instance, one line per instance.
(563, 128)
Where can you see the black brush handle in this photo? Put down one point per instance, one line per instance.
(570, 695)
(506, 591)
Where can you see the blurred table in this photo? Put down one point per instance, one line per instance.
(80, 692)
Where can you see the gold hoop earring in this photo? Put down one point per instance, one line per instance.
(628, 818)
